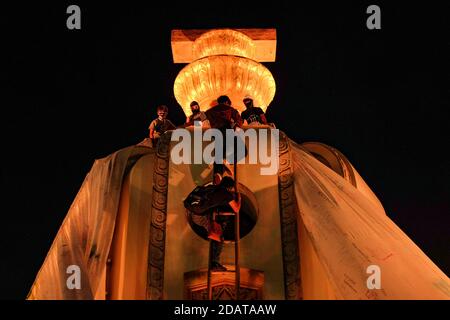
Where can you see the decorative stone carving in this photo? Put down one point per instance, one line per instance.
(223, 286)
(207, 78)
(289, 214)
(332, 158)
(224, 62)
(224, 41)
(155, 271)
(225, 292)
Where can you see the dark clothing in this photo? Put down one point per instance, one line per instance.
(223, 117)
(202, 203)
(204, 199)
(211, 226)
(161, 126)
(217, 199)
(199, 116)
(252, 114)
(216, 251)
(190, 121)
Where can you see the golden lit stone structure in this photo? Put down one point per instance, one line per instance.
(224, 62)
(313, 229)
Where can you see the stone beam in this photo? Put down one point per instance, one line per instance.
(265, 41)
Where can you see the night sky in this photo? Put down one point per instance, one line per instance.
(381, 97)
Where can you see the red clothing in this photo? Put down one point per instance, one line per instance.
(223, 117)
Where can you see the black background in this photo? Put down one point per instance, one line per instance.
(381, 97)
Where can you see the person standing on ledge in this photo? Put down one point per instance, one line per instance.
(253, 115)
(196, 115)
(160, 125)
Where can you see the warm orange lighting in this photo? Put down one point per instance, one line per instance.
(227, 42)
(206, 79)
(224, 65)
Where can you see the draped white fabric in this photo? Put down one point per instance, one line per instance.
(84, 238)
(350, 232)
(343, 230)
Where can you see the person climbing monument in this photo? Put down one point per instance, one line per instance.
(222, 117)
(205, 205)
(160, 125)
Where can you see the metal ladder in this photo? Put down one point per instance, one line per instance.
(237, 269)
(236, 259)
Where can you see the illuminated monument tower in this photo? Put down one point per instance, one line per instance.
(312, 230)
(224, 62)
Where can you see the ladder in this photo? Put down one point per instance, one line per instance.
(237, 269)
(236, 260)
